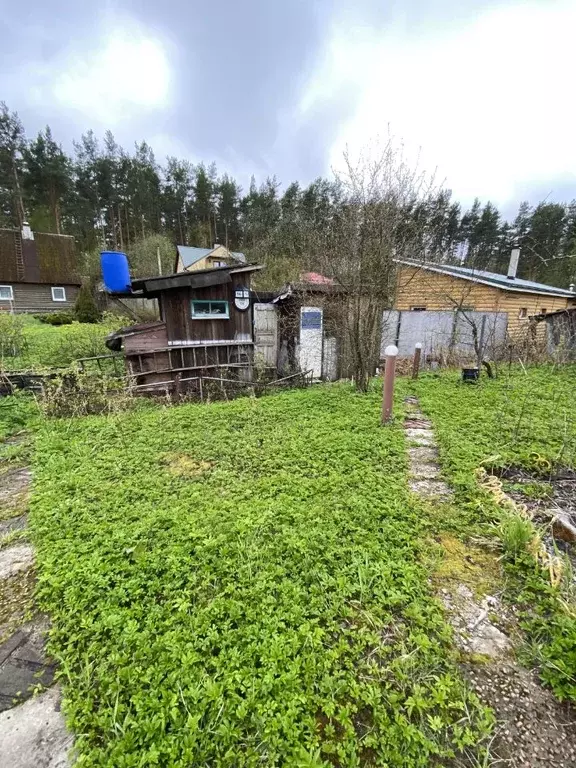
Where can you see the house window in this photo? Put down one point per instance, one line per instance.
(219, 264)
(206, 310)
(417, 309)
(58, 294)
(6, 293)
(543, 311)
(523, 313)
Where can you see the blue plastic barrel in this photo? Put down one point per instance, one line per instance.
(115, 271)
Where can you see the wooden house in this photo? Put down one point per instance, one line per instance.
(191, 259)
(431, 286)
(38, 271)
(205, 328)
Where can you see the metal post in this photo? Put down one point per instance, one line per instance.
(391, 352)
(416, 363)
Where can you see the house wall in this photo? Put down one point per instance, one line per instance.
(418, 287)
(37, 298)
(219, 254)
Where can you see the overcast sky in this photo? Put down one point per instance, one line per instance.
(482, 90)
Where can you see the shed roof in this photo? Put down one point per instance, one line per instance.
(191, 256)
(493, 279)
(199, 278)
(56, 254)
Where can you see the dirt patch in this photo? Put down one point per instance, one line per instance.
(550, 501)
(534, 729)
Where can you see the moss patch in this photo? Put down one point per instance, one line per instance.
(465, 564)
(16, 601)
(184, 465)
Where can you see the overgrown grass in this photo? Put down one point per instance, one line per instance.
(42, 346)
(245, 584)
(524, 418)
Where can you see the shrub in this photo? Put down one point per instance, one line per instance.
(12, 338)
(86, 310)
(56, 318)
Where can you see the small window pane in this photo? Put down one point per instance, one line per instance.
(523, 312)
(58, 294)
(205, 309)
(6, 293)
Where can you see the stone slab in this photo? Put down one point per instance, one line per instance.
(34, 735)
(18, 557)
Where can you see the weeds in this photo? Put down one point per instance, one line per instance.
(523, 419)
(244, 584)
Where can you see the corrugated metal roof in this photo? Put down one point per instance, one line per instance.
(491, 278)
(190, 255)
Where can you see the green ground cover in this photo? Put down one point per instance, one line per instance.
(244, 584)
(524, 418)
(28, 344)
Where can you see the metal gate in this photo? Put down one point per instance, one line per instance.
(266, 334)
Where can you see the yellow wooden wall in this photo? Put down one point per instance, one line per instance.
(417, 287)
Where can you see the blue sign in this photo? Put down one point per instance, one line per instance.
(311, 320)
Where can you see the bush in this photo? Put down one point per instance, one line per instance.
(56, 318)
(86, 310)
(12, 338)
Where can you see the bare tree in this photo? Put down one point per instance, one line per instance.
(372, 225)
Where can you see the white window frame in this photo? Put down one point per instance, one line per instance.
(58, 288)
(522, 313)
(209, 315)
(11, 297)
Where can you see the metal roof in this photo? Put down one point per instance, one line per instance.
(190, 255)
(199, 278)
(491, 278)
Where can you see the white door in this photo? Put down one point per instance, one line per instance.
(266, 333)
(310, 351)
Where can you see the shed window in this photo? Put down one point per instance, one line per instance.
(417, 309)
(205, 310)
(523, 312)
(543, 311)
(58, 294)
(6, 293)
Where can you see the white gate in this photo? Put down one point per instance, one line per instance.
(266, 334)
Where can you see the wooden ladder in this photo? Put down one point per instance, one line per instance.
(20, 271)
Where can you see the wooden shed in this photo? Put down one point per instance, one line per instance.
(205, 329)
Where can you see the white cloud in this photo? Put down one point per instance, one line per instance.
(111, 78)
(489, 103)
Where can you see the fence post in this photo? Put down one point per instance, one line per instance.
(390, 353)
(416, 363)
